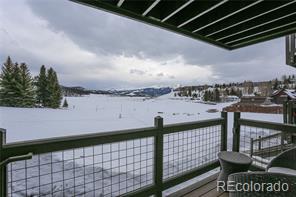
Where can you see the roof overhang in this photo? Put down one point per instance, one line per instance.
(229, 24)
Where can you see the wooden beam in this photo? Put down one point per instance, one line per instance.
(254, 27)
(150, 7)
(258, 34)
(177, 10)
(202, 13)
(120, 2)
(231, 14)
(244, 21)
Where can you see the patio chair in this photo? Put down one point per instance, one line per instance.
(284, 163)
(263, 179)
(281, 169)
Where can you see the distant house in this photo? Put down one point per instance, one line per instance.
(253, 99)
(279, 96)
(230, 98)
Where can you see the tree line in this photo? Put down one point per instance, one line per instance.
(19, 89)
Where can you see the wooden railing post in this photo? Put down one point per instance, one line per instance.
(285, 112)
(290, 112)
(282, 141)
(259, 143)
(224, 132)
(251, 147)
(158, 156)
(3, 172)
(236, 132)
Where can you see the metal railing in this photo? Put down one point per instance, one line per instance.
(261, 140)
(140, 162)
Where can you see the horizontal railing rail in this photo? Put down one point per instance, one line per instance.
(76, 141)
(157, 157)
(268, 125)
(262, 140)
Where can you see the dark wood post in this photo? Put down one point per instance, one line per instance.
(3, 172)
(251, 147)
(158, 156)
(236, 132)
(224, 132)
(285, 113)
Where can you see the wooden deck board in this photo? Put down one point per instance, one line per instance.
(208, 190)
(204, 188)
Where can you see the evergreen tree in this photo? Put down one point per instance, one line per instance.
(65, 104)
(16, 86)
(6, 83)
(42, 88)
(54, 89)
(232, 91)
(57, 92)
(189, 93)
(276, 84)
(227, 91)
(27, 89)
(217, 95)
(206, 96)
(10, 87)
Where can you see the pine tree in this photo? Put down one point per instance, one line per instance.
(206, 96)
(65, 104)
(16, 86)
(42, 88)
(10, 87)
(6, 83)
(217, 95)
(55, 94)
(276, 84)
(27, 89)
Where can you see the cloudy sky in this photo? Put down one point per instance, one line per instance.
(95, 49)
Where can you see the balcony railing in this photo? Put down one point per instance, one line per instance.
(140, 162)
(261, 140)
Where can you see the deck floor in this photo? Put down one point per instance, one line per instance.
(207, 190)
(204, 188)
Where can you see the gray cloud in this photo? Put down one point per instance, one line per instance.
(106, 35)
(160, 75)
(137, 71)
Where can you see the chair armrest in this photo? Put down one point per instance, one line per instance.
(286, 159)
(262, 178)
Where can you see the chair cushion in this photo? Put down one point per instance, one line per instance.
(282, 170)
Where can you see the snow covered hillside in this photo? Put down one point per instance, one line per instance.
(98, 113)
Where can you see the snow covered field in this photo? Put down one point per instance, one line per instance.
(98, 113)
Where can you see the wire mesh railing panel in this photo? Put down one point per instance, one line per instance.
(103, 170)
(262, 144)
(186, 150)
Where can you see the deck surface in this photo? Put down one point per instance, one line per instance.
(204, 188)
(207, 190)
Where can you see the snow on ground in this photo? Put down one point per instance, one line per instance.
(98, 113)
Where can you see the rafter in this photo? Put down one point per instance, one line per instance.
(202, 13)
(281, 26)
(151, 7)
(249, 19)
(231, 14)
(254, 27)
(275, 20)
(177, 10)
(120, 2)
